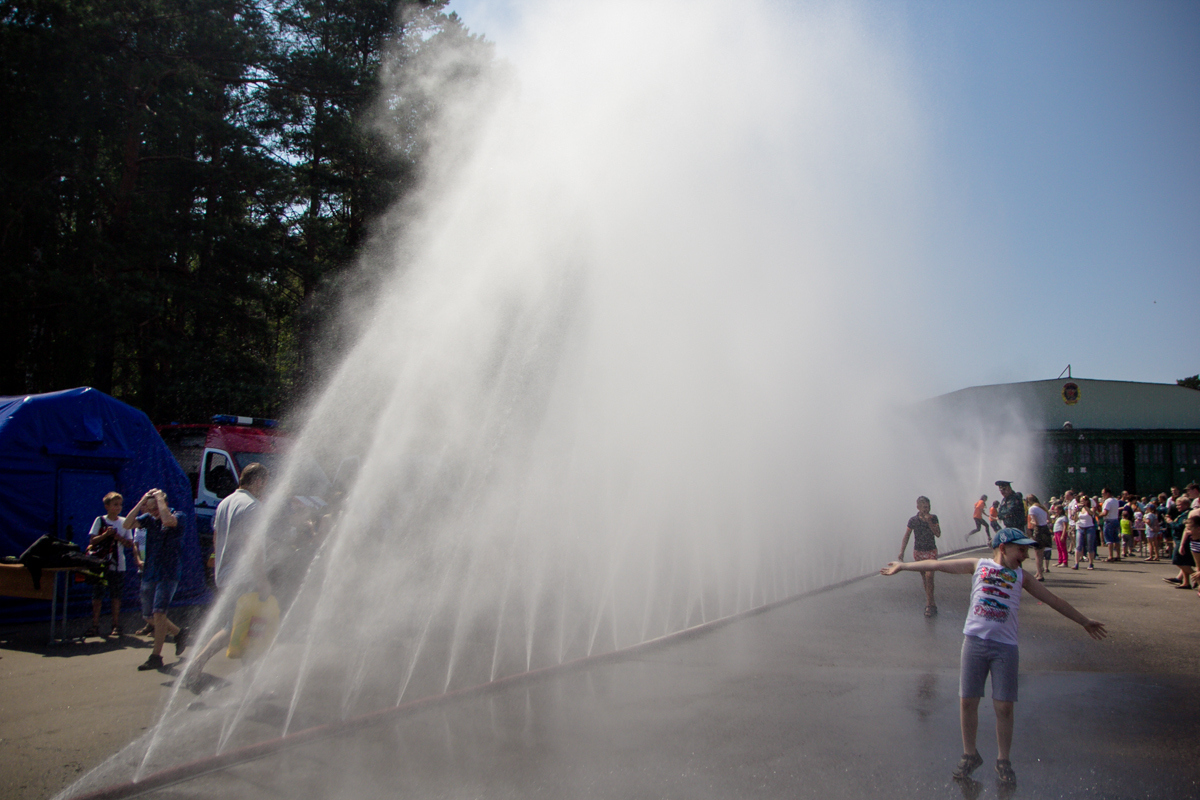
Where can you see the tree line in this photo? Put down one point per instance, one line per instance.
(184, 184)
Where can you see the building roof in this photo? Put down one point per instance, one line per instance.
(1091, 404)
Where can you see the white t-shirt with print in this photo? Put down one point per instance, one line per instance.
(120, 530)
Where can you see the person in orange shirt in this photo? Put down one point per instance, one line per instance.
(977, 515)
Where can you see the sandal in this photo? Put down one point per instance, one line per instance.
(930, 611)
(1004, 773)
(966, 765)
(90, 632)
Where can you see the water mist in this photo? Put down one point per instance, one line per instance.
(632, 368)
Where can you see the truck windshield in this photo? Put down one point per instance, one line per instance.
(310, 478)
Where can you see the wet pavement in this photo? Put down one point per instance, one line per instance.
(850, 693)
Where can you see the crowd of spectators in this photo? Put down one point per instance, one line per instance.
(1158, 527)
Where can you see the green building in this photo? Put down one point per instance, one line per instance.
(1142, 437)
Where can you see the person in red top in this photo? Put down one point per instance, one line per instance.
(977, 515)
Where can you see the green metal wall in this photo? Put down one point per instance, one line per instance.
(1138, 461)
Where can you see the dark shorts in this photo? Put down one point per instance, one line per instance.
(116, 585)
(1183, 559)
(1042, 536)
(1112, 531)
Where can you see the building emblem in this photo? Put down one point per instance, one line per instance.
(1070, 393)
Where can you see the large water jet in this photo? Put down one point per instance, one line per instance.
(633, 370)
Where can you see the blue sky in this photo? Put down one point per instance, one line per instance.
(1064, 159)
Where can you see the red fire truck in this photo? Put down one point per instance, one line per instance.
(214, 454)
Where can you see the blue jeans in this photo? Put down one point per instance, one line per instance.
(1085, 540)
(156, 596)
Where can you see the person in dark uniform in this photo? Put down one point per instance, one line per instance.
(1012, 507)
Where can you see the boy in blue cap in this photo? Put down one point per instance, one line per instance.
(990, 638)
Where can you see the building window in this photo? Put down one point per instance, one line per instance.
(1060, 454)
(1085, 453)
(1158, 453)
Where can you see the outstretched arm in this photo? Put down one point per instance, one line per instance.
(1094, 628)
(956, 566)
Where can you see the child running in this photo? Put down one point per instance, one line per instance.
(990, 639)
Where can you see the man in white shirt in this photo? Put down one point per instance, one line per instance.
(1111, 509)
(232, 525)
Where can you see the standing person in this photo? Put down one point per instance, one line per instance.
(1191, 540)
(1110, 510)
(1060, 535)
(925, 530)
(990, 639)
(107, 541)
(1139, 531)
(139, 557)
(977, 516)
(1180, 556)
(1038, 524)
(162, 572)
(1085, 532)
(232, 525)
(1012, 507)
(1126, 522)
(1069, 503)
(1150, 518)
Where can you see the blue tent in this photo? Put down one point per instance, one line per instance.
(60, 453)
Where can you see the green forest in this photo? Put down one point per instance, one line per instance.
(186, 185)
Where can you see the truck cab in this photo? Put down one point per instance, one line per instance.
(213, 455)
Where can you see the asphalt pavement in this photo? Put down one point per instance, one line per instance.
(849, 693)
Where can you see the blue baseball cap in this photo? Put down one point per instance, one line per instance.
(1010, 536)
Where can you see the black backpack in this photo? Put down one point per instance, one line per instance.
(50, 552)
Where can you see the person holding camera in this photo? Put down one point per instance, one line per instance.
(106, 541)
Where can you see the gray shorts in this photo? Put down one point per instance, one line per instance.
(983, 656)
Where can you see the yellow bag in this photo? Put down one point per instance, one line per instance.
(255, 623)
